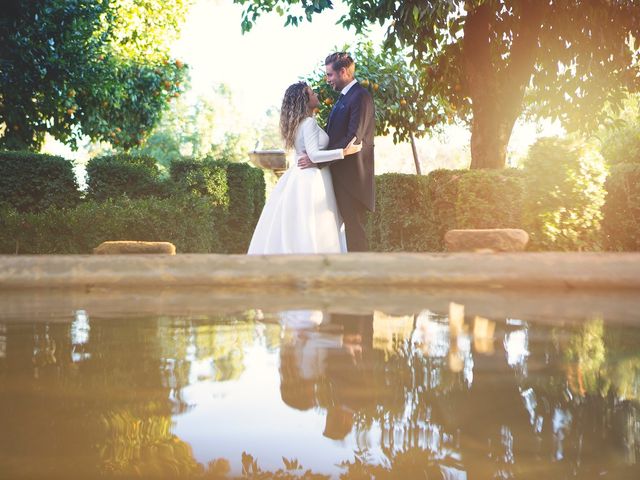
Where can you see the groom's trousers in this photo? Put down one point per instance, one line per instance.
(354, 216)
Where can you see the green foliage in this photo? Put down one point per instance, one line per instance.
(490, 199)
(100, 69)
(33, 182)
(486, 60)
(400, 218)
(237, 187)
(202, 177)
(115, 175)
(442, 194)
(246, 199)
(621, 211)
(564, 194)
(413, 213)
(400, 106)
(189, 222)
(622, 145)
(188, 128)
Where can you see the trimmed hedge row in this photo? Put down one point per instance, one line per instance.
(112, 176)
(414, 212)
(557, 198)
(129, 200)
(188, 221)
(237, 187)
(31, 182)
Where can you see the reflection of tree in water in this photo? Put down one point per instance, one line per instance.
(104, 394)
(512, 403)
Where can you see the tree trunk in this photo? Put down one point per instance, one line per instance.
(415, 154)
(497, 91)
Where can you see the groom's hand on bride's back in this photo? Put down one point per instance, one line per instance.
(305, 162)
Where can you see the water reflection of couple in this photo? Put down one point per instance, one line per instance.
(325, 361)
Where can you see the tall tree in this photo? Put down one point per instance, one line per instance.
(485, 60)
(82, 67)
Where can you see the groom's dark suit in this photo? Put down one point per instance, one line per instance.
(353, 177)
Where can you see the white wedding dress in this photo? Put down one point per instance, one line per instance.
(301, 214)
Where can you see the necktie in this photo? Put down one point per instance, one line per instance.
(334, 108)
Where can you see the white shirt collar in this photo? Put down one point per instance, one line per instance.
(348, 87)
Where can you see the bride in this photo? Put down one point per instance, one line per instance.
(301, 214)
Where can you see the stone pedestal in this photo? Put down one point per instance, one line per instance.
(491, 240)
(121, 247)
(275, 160)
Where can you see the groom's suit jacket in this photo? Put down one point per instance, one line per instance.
(353, 115)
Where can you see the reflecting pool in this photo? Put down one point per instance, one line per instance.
(319, 393)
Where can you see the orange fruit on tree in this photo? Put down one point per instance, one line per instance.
(376, 87)
(167, 84)
(328, 101)
(365, 83)
(179, 64)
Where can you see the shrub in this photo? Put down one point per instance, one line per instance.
(413, 213)
(186, 221)
(112, 176)
(490, 199)
(564, 192)
(31, 182)
(201, 177)
(238, 187)
(398, 224)
(622, 145)
(621, 211)
(442, 194)
(246, 199)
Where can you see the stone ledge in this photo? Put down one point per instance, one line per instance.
(301, 273)
(134, 247)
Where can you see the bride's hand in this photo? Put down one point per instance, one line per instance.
(352, 147)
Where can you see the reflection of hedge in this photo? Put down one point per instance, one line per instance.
(32, 181)
(621, 211)
(186, 221)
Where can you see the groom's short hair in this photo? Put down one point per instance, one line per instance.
(340, 60)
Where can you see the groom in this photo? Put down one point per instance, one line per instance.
(353, 177)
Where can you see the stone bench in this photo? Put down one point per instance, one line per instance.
(490, 239)
(122, 247)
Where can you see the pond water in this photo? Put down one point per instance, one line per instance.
(437, 395)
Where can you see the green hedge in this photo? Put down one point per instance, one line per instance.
(564, 194)
(246, 199)
(490, 199)
(112, 176)
(237, 187)
(30, 182)
(398, 223)
(621, 211)
(414, 212)
(189, 222)
(201, 177)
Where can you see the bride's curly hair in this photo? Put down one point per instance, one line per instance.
(295, 108)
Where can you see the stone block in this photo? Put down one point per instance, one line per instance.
(491, 239)
(121, 247)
